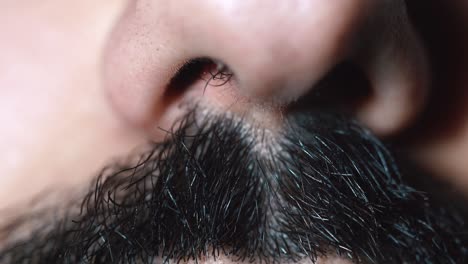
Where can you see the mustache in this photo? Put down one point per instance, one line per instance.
(320, 185)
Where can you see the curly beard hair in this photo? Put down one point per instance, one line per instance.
(320, 185)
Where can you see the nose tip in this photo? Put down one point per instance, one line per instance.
(276, 49)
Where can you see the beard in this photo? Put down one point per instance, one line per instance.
(321, 185)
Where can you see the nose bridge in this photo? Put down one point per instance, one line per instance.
(274, 46)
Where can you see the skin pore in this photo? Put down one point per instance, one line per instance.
(85, 82)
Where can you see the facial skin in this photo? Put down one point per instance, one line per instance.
(84, 83)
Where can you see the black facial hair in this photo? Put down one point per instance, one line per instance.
(321, 185)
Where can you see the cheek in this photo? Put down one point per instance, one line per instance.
(55, 126)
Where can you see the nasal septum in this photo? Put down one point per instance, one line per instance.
(275, 51)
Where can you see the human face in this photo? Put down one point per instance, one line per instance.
(87, 82)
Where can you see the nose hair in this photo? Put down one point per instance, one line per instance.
(276, 49)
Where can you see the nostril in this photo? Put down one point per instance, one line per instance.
(344, 88)
(209, 70)
(187, 87)
(190, 72)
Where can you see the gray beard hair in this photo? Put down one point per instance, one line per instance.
(322, 186)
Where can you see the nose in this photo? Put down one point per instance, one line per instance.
(276, 49)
